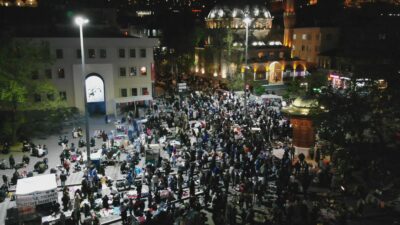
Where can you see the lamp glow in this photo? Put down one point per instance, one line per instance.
(79, 20)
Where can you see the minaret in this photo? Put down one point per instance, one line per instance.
(289, 20)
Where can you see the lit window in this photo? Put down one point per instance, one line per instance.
(122, 71)
(61, 73)
(293, 47)
(91, 53)
(294, 36)
(143, 71)
(304, 36)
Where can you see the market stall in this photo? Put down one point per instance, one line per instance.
(34, 191)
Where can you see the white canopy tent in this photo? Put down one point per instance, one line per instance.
(36, 190)
(129, 99)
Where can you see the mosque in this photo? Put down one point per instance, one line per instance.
(243, 39)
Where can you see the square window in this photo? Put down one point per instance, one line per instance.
(61, 73)
(50, 96)
(133, 71)
(35, 75)
(124, 92)
(103, 53)
(132, 53)
(37, 98)
(91, 53)
(59, 53)
(143, 71)
(145, 91)
(48, 74)
(134, 91)
(121, 53)
(143, 53)
(122, 71)
(78, 54)
(304, 36)
(294, 36)
(63, 95)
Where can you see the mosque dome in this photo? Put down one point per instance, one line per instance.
(232, 17)
(251, 11)
(302, 107)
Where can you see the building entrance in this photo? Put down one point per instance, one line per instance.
(95, 94)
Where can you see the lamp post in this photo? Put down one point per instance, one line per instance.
(247, 22)
(80, 21)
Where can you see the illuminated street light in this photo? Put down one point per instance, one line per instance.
(247, 21)
(81, 21)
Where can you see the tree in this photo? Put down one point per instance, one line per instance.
(306, 86)
(20, 88)
(235, 83)
(360, 127)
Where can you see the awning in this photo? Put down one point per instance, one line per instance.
(133, 99)
(35, 184)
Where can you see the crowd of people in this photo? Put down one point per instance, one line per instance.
(219, 155)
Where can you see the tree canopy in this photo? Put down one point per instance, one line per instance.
(21, 86)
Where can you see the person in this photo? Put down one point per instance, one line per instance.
(11, 160)
(25, 159)
(65, 200)
(67, 166)
(124, 215)
(62, 219)
(5, 180)
(105, 202)
(63, 178)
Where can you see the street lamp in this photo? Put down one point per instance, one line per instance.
(247, 22)
(80, 21)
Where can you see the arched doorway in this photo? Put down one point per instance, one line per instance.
(275, 73)
(95, 94)
(299, 70)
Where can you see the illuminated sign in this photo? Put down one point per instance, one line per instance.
(94, 89)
